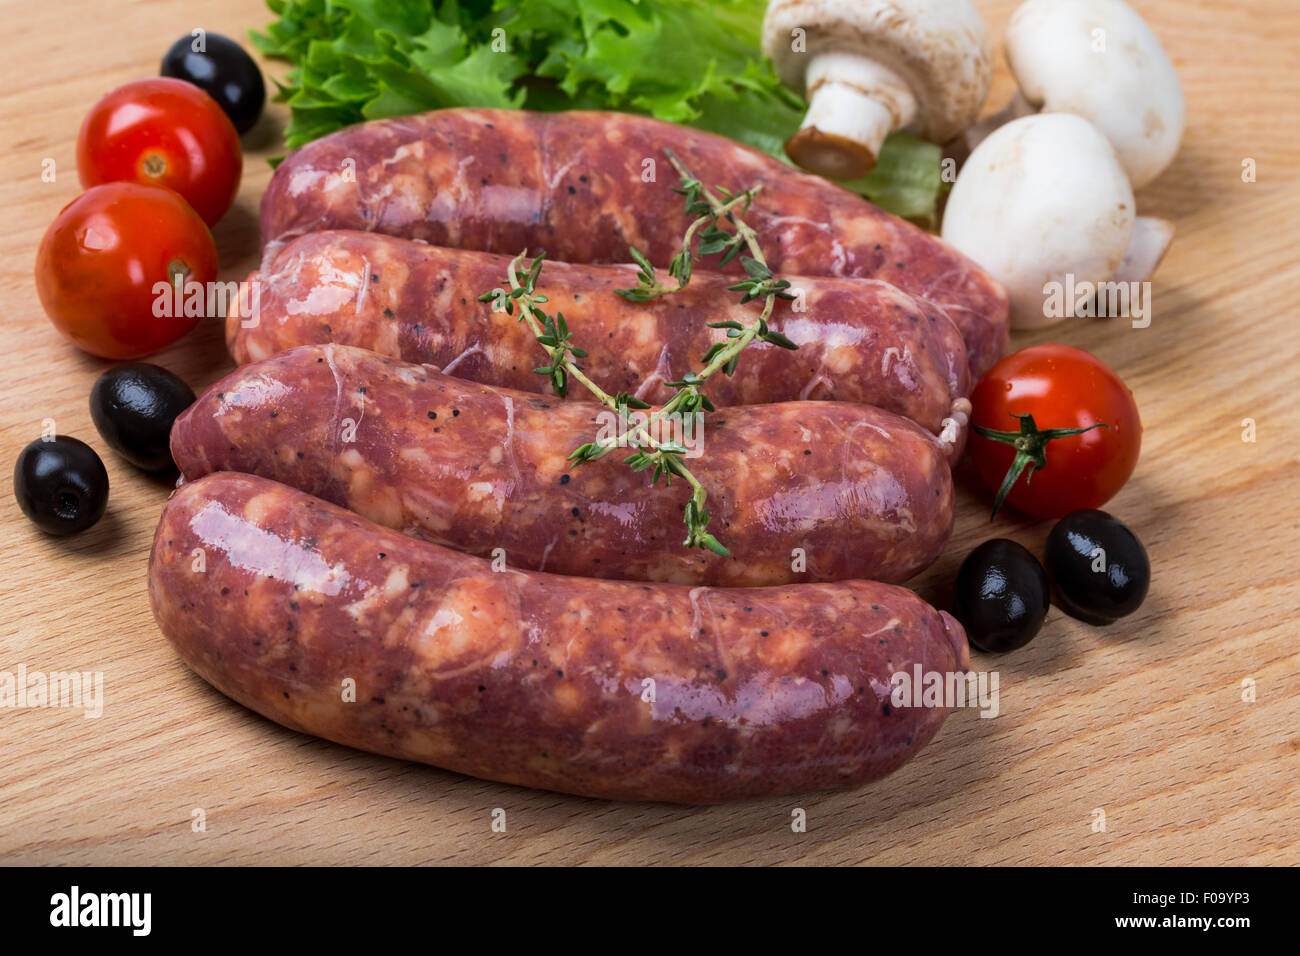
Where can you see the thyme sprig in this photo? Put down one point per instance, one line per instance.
(552, 333)
(713, 240)
(710, 236)
(647, 283)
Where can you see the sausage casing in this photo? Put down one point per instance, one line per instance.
(585, 186)
(859, 341)
(598, 688)
(799, 491)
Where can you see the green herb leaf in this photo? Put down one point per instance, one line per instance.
(776, 338)
(714, 545)
(754, 268)
(634, 295)
(624, 400)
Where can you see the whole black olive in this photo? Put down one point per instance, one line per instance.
(61, 484)
(224, 71)
(133, 406)
(1002, 595)
(1099, 566)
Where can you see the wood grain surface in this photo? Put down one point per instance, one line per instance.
(1144, 720)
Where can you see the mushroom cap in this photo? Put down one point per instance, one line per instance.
(1098, 59)
(940, 48)
(1042, 198)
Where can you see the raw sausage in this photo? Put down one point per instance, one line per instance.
(799, 491)
(604, 689)
(585, 186)
(576, 185)
(859, 340)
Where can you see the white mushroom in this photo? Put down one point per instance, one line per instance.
(870, 67)
(1042, 200)
(1098, 59)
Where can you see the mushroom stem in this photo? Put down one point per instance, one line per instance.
(1150, 242)
(853, 104)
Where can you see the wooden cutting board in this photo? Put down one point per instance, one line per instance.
(1144, 720)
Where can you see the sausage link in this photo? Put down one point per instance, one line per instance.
(602, 689)
(799, 491)
(859, 341)
(585, 186)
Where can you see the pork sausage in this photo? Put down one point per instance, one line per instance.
(799, 491)
(604, 689)
(859, 340)
(585, 186)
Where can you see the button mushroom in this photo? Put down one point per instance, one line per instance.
(1097, 59)
(1043, 199)
(870, 67)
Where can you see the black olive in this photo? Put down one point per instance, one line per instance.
(1002, 595)
(1099, 566)
(61, 484)
(133, 406)
(224, 71)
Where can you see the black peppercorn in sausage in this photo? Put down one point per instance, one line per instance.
(799, 491)
(585, 186)
(333, 626)
(859, 340)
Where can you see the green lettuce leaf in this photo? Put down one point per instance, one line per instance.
(685, 61)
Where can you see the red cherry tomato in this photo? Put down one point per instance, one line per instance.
(163, 132)
(1028, 399)
(99, 262)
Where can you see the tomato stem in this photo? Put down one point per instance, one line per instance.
(153, 165)
(1030, 444)
(178, 269)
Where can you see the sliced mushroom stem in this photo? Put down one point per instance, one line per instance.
(853, 104)
(1150, 242)
(1016, 107)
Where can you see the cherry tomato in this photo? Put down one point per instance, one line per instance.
(1038, 414)
(163, 132)
(100, 260)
